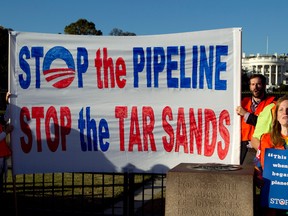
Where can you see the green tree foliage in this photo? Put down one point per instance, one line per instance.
(245, 81)
(82, 27)
(3, 57)
(119, 32)
(4, 40)
(282, 88)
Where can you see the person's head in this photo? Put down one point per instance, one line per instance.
(257, 85)
(280, 119)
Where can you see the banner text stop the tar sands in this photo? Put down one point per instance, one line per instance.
(118, 101)
(140, 137)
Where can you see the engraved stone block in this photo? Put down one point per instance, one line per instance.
(209, 189)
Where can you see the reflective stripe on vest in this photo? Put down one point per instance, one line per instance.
(247, 130)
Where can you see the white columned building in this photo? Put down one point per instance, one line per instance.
(273, 67)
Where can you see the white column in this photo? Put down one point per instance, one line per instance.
(282, 71)
(262, 70)
(276, 75)
(270, 74)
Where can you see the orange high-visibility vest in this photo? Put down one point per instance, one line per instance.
(247, 130)
(4, 148)
(266, 142)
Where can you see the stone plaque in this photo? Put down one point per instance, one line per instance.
(209, 189)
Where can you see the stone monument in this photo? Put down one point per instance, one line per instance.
(210, 189)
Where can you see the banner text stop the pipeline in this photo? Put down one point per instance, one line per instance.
(171, 62)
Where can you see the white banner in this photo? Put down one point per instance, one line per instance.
(124, 104)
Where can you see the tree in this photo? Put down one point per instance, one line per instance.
(245, 81)
(4, 40)
(282, 88)
(119, 32)
(82, 27)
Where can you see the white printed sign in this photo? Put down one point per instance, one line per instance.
(124, 104)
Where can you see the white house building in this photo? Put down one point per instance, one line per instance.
(274, 67)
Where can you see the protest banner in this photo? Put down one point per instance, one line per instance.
(274, 193)
(133, 103)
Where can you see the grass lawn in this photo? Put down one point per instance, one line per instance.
(68, 192)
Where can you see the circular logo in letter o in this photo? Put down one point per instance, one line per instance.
(59, 76)
(282, 202)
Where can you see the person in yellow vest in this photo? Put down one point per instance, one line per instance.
(264, 124)
(5, 151)
(249, 110)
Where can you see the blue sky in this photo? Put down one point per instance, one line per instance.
(261, 21)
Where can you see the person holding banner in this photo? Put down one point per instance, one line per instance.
(249, 110)
(5, 151)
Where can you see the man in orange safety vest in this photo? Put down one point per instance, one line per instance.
(249, 110)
